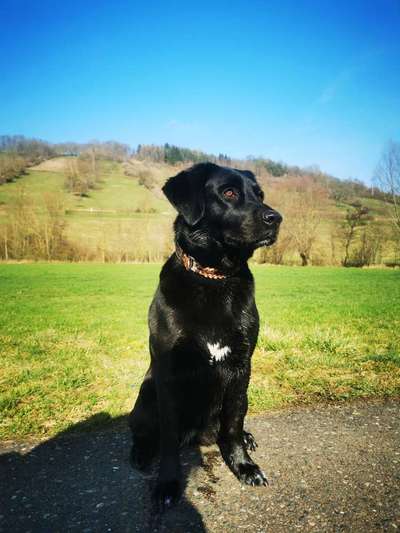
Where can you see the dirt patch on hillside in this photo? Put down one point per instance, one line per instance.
(57, 164)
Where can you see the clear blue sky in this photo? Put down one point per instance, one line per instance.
(305, 82)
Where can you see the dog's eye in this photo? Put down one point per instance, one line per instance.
(231, 194)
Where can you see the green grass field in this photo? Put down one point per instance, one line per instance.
(73, 339)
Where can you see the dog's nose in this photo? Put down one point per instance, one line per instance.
(271, 217)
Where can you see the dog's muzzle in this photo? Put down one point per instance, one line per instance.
(272, 220)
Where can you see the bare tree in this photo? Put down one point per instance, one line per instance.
(306, 202)
(79, 176)
(11, 167)
(94, 163)
(356, 217)
(37, 230)
(387, 176)
(276, 254)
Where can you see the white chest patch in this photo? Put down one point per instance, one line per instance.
(218, 352)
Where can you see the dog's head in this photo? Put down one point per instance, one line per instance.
(226, 203)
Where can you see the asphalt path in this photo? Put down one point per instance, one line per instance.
(331, 468)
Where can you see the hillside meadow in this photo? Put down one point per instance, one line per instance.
(73, 339)
(124, 217)
(118, 220)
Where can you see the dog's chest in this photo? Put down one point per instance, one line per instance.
(225, 344)
(217, 351)
(225, 334)
(217, 325)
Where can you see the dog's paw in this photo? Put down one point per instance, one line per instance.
(251, 474)
(166, 494)
(249, 441)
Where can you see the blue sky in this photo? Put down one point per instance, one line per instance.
(305, 82)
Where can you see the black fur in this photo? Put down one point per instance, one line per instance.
(189, 394)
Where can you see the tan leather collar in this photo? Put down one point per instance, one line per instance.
(190, 263)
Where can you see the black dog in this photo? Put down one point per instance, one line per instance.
(203, 327)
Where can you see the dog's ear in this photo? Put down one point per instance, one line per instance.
(248, 174)
(185, 191)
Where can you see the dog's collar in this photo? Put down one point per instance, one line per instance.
(191, 264)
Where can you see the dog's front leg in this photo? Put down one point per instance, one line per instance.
(231, 441)
(169, 485)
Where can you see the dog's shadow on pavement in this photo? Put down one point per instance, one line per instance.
(82, 481)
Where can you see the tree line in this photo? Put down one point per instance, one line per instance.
(18, 152)
(173, 155)
(339, 190)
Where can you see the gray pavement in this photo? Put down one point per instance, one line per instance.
(331, 468)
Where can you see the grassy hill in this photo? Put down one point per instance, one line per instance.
(118, 216)
(125, 216)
